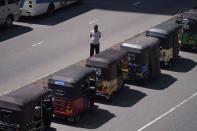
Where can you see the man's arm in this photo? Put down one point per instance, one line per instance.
(90, 34)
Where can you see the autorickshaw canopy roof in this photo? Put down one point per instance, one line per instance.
(11, 103)
(163, 30)
(71, 75)
(22, 97)
(106, 58)
(140, 44)
(191, 15)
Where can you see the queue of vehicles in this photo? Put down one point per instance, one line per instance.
(72, 91)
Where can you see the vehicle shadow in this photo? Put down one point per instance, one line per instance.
(16, 30)
(182, 65)
(92, 119)
(52, 129)
(160, 83)
(146, 7)
(189, 50)
(125, 98)
(59, 16)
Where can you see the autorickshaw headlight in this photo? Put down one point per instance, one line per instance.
(128, 57)
(185, 21)
(17, 127)
(53, 99)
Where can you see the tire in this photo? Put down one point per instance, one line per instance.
(77, 118)
(47, 124)
(145, 81)
(9, 21)
(170, 63)
(80, 2)
(121, 83)
(74, 119)
(111, 98)
(50, 9)
(71, 120)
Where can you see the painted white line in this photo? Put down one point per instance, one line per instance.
(136, 3)
(92, 22)
(168, 112)
(41, 42)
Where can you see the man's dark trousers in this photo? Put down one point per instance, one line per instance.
(95, 47)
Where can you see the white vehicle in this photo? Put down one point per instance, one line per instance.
(39, 7)
(9, 12)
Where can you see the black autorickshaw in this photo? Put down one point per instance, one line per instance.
(108, 75)
(167, 32)
(188, 34)
(74, 91)
(26, 109)
(143, 58)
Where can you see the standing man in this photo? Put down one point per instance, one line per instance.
(95, 35)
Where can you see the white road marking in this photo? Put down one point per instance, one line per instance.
(41, 42)
(136, 3)
(92, 22)
(168, 112)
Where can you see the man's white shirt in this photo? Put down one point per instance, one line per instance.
(94, 37)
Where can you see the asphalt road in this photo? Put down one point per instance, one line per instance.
(37, 47)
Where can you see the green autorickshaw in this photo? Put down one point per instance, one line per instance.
(188, 35)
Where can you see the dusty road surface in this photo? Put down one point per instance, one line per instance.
(37, 47)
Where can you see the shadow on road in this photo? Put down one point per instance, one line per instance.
(59, 16)
(166, 7)
(189, 50)
(16, 30)
(90, 120)
(162, 82)
(159, 83)
(183, 65)
(125, 98)
(52, 129)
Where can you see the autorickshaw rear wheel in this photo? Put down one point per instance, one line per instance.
(112, 96)
(145, 80)
(122, 83)
(170, 63)
(47, 124)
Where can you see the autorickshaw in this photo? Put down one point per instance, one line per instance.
(142, 60)
(188, 35)
(108, 75)
(26, 109)
(74, 91)
(167, 32)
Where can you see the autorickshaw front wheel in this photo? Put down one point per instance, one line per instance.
(74, 119)
(77, 118)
